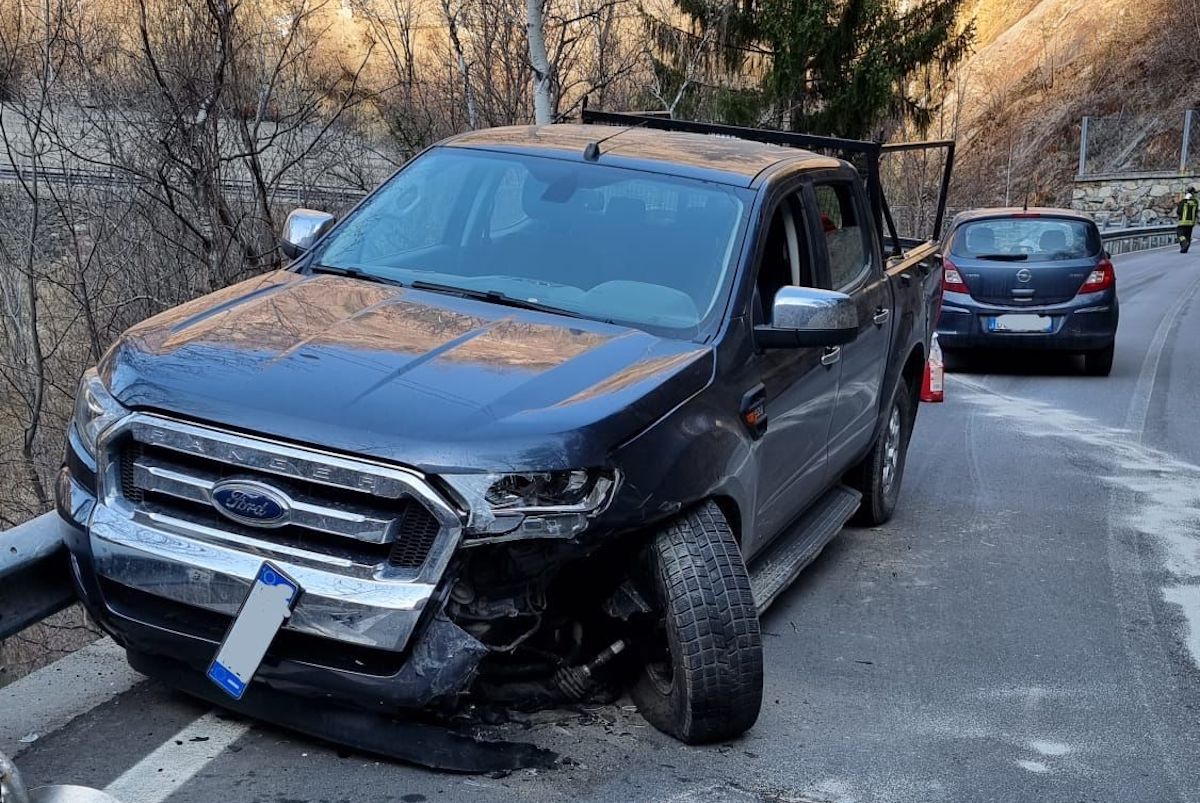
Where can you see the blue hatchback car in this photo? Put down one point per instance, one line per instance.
(1029, 279)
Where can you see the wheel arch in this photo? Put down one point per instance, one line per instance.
(913, 371)
(732, 512)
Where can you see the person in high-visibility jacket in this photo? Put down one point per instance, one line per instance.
(1187, 212)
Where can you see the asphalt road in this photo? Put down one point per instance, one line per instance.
(1026, 629)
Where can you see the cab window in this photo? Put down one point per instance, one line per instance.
(845, 238)
(785, 257)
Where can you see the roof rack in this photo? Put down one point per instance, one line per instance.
(872, 151)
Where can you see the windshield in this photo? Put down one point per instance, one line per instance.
(1027, 239)
(598, 241)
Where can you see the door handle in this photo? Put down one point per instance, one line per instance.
(881, 316)
(831, 355)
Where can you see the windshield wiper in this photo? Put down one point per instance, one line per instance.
(1004, 257)
(354, 273)
(494, 296)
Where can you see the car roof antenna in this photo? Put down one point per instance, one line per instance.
(591, 151)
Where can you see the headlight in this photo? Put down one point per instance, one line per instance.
(547, 504)
(95, 410)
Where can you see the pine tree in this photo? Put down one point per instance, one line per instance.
(839, 67)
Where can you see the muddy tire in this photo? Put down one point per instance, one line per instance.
(879, 475)
(1099, 363)
(703, 677)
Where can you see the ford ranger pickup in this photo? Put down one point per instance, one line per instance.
(551, 415)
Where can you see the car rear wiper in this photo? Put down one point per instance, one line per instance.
(1004, 257)
(354, 273)
(494, 296)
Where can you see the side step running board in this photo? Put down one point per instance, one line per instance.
(776, 568)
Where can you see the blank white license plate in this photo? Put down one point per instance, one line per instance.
(1020, 323)
(269, 603)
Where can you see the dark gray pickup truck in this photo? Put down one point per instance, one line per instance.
(554, 413)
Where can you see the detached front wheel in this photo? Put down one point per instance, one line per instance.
(703, 677)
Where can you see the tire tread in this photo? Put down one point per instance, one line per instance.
(710, 605)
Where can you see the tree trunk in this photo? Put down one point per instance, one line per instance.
(463, 67)
(543, 103)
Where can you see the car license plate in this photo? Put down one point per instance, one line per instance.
(269, 603)
(1020, 323)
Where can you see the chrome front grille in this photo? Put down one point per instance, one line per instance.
(383, 521)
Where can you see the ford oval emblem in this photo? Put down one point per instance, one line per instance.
(253, 503)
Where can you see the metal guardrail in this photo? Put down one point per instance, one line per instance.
(34, 576)
(243, 187)
(1127, 241)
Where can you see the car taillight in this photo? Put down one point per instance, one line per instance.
(1102, 278)
(952, 280)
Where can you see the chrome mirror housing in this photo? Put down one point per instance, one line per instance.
(806, 316)
(302, 228)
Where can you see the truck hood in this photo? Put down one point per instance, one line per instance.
(428, 380)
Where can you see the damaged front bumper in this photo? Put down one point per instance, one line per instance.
(166, 578)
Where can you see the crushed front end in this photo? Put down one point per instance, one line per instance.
(419, 592)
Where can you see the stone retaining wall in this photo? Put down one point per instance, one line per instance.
(1132, 199)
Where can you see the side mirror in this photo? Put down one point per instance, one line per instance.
(302, 228)
(806, 316)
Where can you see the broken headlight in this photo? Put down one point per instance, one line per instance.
(95, 410)
(536, 504)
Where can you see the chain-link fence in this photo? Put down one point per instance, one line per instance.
(1137, 143)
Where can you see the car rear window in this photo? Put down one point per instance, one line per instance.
(1027, 238)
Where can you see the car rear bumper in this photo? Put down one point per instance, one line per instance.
(1081, 324)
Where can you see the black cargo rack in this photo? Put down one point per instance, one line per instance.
(871, 151)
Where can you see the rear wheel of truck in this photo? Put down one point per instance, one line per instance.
(879, 475)
(703, 677)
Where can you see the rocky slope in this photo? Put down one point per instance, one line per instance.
(1039, 66)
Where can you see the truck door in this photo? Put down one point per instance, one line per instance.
(849, 249)
(800, 383)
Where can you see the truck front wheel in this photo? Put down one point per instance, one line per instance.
(703, 677)
(879, 475)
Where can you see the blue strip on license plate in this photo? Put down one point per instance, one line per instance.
(272, 597)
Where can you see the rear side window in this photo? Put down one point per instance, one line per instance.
(845, 239)
(1041, 239)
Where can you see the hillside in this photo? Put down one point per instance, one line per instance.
(1039, 66)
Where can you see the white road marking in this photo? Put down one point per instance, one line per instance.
(1140, 404)
(1188, 598)
(1053, 749)
(157, 776)
(45, 700)
(1167, 488)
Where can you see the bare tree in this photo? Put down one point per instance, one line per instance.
(543, 103)
(464, 67)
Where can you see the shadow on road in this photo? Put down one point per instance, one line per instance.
(1017, 363)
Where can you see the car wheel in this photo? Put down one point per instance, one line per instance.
(1099, 363)
(879, 475)
(703, 676)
